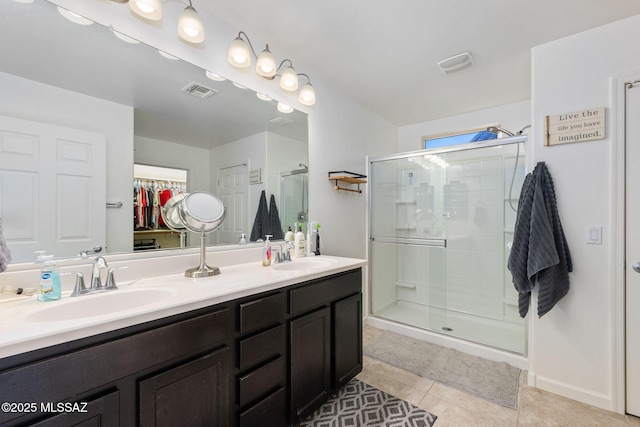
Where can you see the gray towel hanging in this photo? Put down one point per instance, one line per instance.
(539, 254)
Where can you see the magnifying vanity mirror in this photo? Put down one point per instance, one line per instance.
(198, 212)
(80, 106)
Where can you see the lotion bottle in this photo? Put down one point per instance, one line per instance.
(299, 244)
(288, 236)
(266, 251)
(49, 288)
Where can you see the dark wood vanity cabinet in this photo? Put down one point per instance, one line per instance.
(169, 369)
(265, 360)
(325, 339)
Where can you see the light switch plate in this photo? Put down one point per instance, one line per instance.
(594, 235)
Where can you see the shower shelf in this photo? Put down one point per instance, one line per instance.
(349, 178)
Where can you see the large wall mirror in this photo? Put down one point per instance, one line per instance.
(80, 104)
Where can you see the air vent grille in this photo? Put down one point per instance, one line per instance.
(198, 90)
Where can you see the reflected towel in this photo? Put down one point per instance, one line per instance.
(261, 223)
(5, 253)
(274, 220)
(540, 254)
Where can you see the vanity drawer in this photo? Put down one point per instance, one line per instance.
(259, 382)
(261, 347)
(270, 412)
(307, 297)
(261, 313)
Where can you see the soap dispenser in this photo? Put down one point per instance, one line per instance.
(49, 288)
(266, 251)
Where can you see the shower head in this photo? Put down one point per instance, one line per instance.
(496, 129)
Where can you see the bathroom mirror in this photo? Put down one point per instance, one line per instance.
(145, 108)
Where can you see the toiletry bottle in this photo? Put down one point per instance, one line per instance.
(288, 236)
(298, 244)
(266, 251)
(50, 288)
(317, 231)
(308, 242)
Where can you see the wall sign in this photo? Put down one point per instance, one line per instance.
(255, 176)
(585, 125)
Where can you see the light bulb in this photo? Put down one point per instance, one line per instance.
(266, 64)
(289, 79)
(239, 53)
(74, 17)
(307, 95)
(214, 76)
(284, 108)
(149, 9)
(190, 27)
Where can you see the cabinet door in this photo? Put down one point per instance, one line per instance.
(310, 362)
(347, 344)
(101, 412)
(195, 393)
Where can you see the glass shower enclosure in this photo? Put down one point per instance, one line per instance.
(441, 225)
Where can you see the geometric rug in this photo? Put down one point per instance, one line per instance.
(496, 382)
(358, 404)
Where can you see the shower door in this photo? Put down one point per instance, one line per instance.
(294, 199)
(441, 225)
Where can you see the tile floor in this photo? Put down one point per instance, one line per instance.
(456, 408)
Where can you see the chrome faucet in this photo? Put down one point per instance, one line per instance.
(284, 253)
(98, 264)
(96, 283)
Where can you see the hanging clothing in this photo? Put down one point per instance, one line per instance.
(539, 254)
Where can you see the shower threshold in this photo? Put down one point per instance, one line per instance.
(495, 333)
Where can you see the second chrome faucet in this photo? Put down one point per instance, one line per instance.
(99, 263)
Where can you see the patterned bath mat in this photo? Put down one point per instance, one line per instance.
(358, 405)
(496, 382)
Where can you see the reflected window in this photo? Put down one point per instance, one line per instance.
(437, 141)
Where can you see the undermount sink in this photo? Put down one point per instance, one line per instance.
(98, 304)
(311, 263)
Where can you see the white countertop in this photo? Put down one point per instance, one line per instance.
(19, 333)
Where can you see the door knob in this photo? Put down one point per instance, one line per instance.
(636, 267)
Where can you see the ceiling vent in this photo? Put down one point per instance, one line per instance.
(456, 63)
(281, 121)
(198, 90)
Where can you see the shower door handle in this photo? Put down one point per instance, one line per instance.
(636, 267)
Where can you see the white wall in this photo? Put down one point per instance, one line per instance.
(573, 348)
(511, 117)
(194, 160)
(29, 100)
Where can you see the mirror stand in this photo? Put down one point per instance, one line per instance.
(203, 270)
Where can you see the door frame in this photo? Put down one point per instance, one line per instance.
(618, 238)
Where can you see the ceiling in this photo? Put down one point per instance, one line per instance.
(383, 53)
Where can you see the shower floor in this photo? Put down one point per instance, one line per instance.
(494, 333)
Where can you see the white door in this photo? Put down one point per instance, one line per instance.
(233, 191)
(52, 188)
(633, 249)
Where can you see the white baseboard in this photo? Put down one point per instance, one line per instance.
(599, 400)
